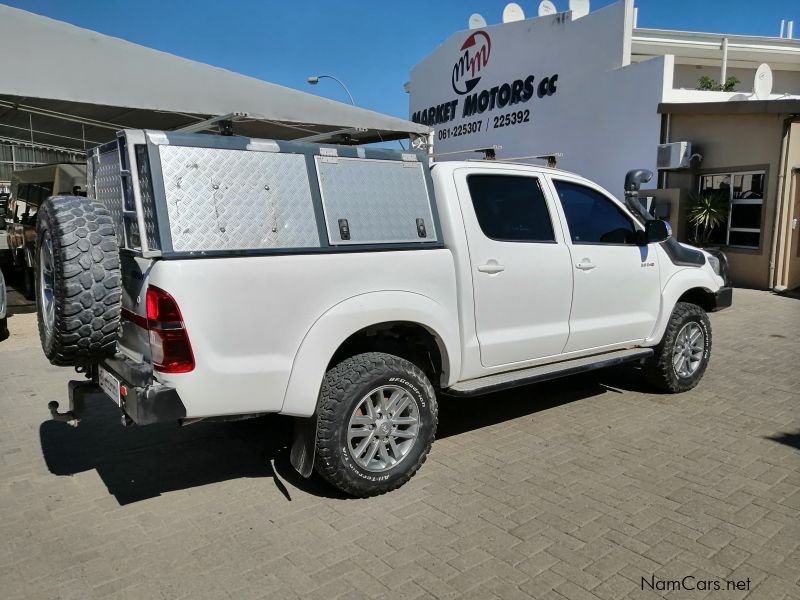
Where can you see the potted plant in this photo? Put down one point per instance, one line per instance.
(710, 84)
(708, 210)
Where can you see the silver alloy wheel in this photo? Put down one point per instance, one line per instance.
(46, 300)
(687, 354)
(383, 428)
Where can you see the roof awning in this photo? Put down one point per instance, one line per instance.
(72, 87)
(735, 107)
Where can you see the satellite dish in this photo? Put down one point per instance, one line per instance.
(513, 12)
(762, 86)
(579, 8)
(546, 7)
(476, 21)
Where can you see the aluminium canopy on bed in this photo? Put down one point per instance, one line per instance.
(66, 86)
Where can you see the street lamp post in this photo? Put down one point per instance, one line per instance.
(314, 80)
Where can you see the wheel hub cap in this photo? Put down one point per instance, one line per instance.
(689, 348)
(383, 428)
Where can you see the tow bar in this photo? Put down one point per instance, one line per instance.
(68, 417)
(77, 392)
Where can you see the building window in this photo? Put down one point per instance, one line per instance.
(745, 193)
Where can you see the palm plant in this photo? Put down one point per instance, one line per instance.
(707, 211)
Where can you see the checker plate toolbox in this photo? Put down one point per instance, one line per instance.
(180, 195)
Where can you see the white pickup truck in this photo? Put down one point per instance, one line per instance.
(210, 277)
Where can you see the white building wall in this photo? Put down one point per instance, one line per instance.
(601, 115)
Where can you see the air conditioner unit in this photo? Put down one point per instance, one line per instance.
(676, 155)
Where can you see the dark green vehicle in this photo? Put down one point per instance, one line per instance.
(29, 188)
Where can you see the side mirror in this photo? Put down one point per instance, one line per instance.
(656, 231)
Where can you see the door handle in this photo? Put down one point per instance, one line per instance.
(585, 265)
(491, 267)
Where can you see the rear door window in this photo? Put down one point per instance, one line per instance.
(511, 208)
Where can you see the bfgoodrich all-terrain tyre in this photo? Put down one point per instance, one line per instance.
(683, 354)
(377, 418)
(78, 293)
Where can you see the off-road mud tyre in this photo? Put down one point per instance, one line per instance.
(344, 388)
(660, 369)
(80, 325)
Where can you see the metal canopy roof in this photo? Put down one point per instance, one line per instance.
(73, 87)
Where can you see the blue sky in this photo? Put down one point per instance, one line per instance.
(370, 45)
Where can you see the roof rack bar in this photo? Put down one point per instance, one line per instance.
(323, 137)
(494, 148)
(546, 156)
(210, 122)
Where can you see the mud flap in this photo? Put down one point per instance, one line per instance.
(304, 444)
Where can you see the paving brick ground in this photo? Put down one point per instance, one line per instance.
(573, 489)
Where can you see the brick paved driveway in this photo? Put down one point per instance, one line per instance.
(574, 489)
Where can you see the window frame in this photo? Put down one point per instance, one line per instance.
(601, 192)
(539, 179)
(731, 173)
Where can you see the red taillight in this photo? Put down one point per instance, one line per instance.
(169, 342)
(161, 307)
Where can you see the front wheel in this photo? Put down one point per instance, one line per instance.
(681, 359)
(377, 419)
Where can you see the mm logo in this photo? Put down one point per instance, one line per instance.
(474, 57)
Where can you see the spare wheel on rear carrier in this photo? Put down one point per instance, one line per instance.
(78, 294)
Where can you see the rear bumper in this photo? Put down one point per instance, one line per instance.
(723, 298)
(145, 401)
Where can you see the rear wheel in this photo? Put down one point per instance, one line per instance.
(78, 293)
(681, 359)
(377, 419)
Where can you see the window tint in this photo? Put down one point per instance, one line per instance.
(592, 218)
(511, 208)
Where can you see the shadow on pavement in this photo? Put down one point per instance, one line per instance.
(788, 439)
(459, 415)
(795, 294)
(137, 463)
